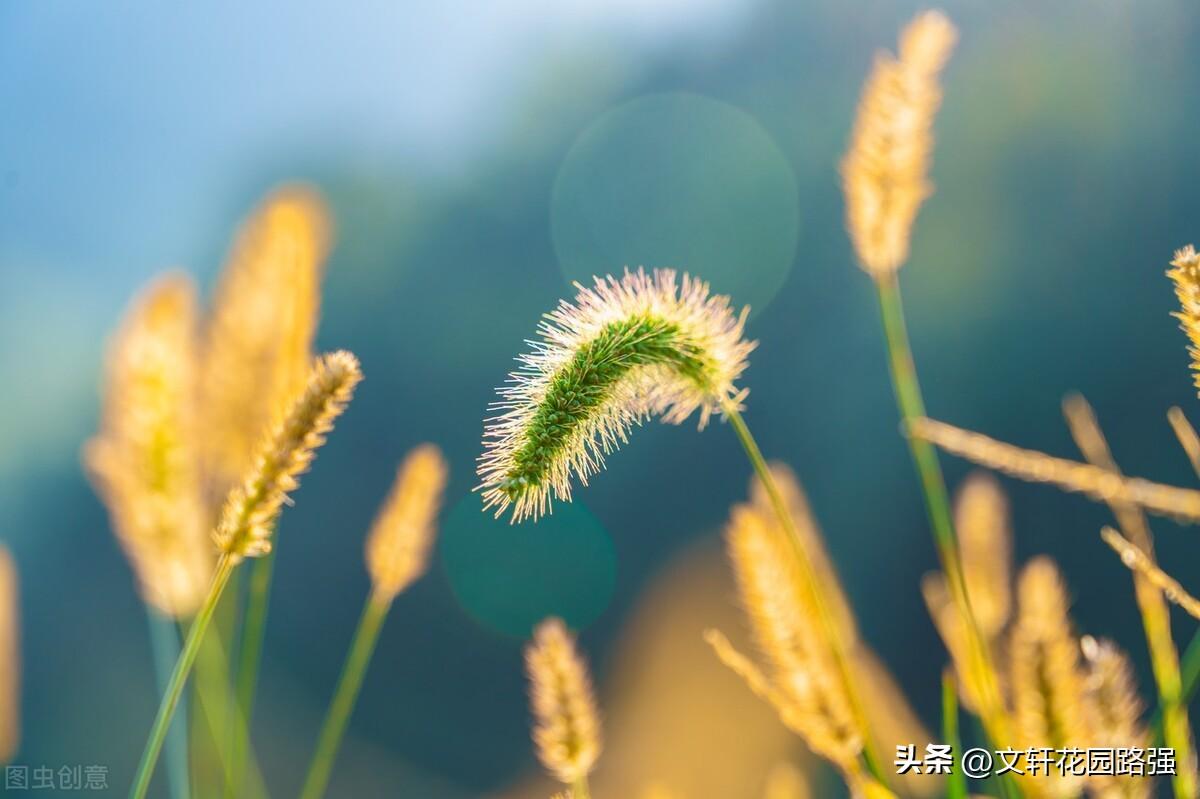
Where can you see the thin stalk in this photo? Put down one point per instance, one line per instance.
(164, 641)
(249, 661)
(183, 666)
(581, 790)
(1190, 667)
(956, 783)
(361, 647)
(833, 633)
(937, 500)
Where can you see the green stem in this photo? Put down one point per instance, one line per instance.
(361, 647)
(581, 790)
(1190, 667)
(183, 666)
(937, 500)
(164, 641)
(249, 661)
(833, 633)
(956, 783)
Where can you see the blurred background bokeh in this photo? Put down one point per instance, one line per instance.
(477, 157)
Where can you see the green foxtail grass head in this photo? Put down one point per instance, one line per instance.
(625, 350)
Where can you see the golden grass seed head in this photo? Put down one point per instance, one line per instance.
(258, 346)
(802, 666)
(1114, 712)
(885, 171)
(10, 658)
(1047, 682)
(985, 539)
(252, 508)
(625, 350)
(143, 460)
(566, 731)
(953, 632)
(401, 537)
(1185, 274)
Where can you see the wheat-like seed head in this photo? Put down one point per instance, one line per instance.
(1114, 712)
(985, 544)
(1185, 274)
(625, 350)
(952, 631)
(566, 728)
(885, 171)
(1095, 482)
(143, 461)
(10, 658)
(1046, 680)
(248, 519)
(258, 346)
(802, 671)
(400, 539)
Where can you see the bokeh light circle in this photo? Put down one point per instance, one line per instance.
(509, 577)
(683, 181)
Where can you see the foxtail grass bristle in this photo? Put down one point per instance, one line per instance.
(985, 543)
(566, 731)
(803, 673)
(248, 520)
(10, 658)
(1138, 561)
(258, 346)
(402, 534)
(1114, 713)
(885, 174)
(1045, 677)
(625, 350)
(1092, 481)
(143, 461)
(1185, 274)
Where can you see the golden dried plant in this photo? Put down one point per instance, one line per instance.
(398, 545)
(1185, 274)
(1092, 481)
(885, 172)
(1138, 561)
(985, 542)
(143, 460)
(952, 631)
(1046, 681)
(1114, 714)
(10, 657)
(567, 732)
(803, 679)
(248, 519)
(259, 336)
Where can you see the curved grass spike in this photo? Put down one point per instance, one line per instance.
(625, 350)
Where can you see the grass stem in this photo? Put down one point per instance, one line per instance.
(361, 647)
(249, 662)
(956, 783)
(581, 789)
(836, 638)
(183, 667)
(164, 641)
(937, 501)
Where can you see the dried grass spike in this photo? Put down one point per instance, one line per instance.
(1046, 680)
(786, 626)
(248, 519)
(143, 460)
(1140, 562)
(258, 346)
(885, 172)
(985, 539)
(626, 350)
(1185, 274)
(402, 534)
(1092, 481)
(10, 658)
(566, 725)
